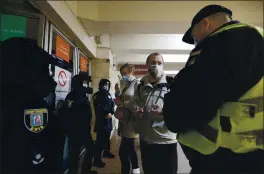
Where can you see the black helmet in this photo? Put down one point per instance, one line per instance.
(103, 82)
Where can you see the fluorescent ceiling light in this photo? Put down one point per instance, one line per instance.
(181, 58)
(141, 58)
(171, 72)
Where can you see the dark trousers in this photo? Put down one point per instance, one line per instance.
(102, 143)
(128, 155)
(159, 158)
(75, 146)
(224, 161)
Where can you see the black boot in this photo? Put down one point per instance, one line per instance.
(108, 154)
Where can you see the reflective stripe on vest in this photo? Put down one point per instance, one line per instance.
(245, 116)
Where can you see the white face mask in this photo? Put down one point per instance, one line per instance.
(155, 71)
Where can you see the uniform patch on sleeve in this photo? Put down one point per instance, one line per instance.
(36, 120)
(69, 103)
(192, 58)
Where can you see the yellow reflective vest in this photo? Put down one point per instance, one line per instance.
(246, 118)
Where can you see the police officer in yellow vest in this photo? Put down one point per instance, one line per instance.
(216, 102)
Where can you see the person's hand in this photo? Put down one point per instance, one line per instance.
(119, 113)
(139, 112)
(109, 115)
(156, 110)
(117, 89)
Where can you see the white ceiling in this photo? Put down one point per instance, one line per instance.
(137, 30)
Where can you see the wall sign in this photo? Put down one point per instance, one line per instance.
(140, 69)
(62, 49)
(63, 79)
(84, 64)
(12, 26)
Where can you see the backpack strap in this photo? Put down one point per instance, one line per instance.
(139, 88)
(161, 85)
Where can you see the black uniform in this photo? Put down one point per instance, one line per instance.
(103, 104)
(77, 123)
(31, 138)
(228, 65)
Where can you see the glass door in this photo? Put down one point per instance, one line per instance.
(64, 53)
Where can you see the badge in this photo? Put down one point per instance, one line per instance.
(69, 103)
(36, 120)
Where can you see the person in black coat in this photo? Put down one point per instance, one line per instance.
(77, 116)
(226, 62)
(31, 136)
(104, 109)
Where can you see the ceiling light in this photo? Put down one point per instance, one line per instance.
(170, 72)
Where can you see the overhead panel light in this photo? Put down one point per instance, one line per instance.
(170, 72)
(174, 58)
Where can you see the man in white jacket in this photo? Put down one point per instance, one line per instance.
(158, 145)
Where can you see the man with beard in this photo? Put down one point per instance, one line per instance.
(157, 144)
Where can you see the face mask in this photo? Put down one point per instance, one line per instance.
(155, 71)
(106, 88)
(126, 78)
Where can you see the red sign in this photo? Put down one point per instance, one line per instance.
(62, 78)
(140, 69)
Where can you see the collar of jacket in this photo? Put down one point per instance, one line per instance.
(229, 23)
(147, 83)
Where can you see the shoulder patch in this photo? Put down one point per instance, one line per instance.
(69, 103)
(195, 53)
(192, 57)
(36, 120)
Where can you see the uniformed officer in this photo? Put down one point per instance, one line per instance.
(31, 136)
(77, 121)
(216, 102)
(104, 109)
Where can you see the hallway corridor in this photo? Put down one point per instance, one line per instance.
(113, 165)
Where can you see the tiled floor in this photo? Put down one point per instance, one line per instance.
(113, 165)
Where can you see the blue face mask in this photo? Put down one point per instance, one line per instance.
(126, 78)
(105, 88)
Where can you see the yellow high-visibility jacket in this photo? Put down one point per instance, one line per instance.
(246, 118)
